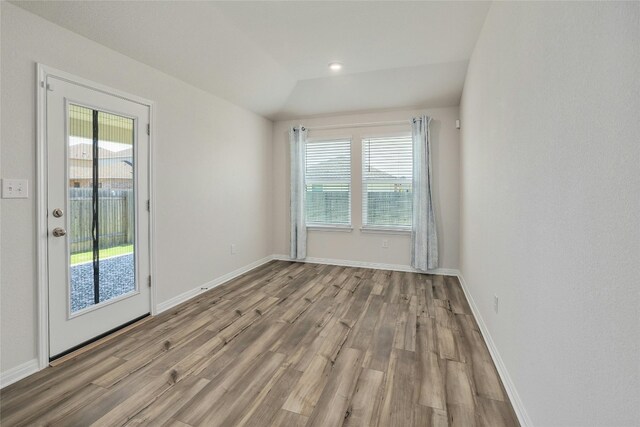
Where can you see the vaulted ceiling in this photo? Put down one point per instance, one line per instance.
(271, 57)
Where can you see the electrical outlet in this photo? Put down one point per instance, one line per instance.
(496, 302)
(385, 243)
(15, 188)
(234, 249)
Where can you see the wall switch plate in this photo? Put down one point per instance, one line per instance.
(496, 302)
(15, 188)
(385, 243)
(234, 249)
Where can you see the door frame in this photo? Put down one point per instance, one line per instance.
(42, 273)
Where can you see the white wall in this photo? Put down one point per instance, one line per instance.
(367, 247)
(550, 204)
(204, 202)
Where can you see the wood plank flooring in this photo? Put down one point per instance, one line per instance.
(287, 344)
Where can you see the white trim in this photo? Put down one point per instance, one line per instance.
(185, 296)
(152, 199)
(514, 397)
(45, 71)
(343, 228)
(385, 230)
(387, 134)
(41, 195)
(19, 372)
(364, 264)
(42, 73)
(331, 138)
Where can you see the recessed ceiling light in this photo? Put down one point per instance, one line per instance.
(335, 66)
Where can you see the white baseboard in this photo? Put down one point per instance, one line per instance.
(179, 299)
(517, 403)
(364, 264)
(19, 372)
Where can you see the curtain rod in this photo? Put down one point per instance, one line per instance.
(359, 125)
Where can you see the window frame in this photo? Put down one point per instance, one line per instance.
(346, 227)
(381, 228)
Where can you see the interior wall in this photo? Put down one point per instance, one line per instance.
(367, 246)
(550, 204)
(204, 202)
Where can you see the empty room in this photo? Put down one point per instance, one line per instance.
(320, 213)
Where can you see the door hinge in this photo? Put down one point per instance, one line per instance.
(149, 281)
(149, 205)
(148, 129)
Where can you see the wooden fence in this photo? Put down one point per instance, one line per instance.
(116, 218)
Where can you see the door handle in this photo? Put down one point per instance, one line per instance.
(59, 232)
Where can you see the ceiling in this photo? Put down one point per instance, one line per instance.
(271, 57)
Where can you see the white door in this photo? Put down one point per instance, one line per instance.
(97, 213)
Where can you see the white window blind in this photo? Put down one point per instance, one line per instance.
(386, 181)
(328, 182)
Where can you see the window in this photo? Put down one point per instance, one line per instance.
(328, 182)
(386, 182)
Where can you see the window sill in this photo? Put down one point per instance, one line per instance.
(386, 230)
(340, 228)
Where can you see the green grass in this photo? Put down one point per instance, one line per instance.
(81, 257)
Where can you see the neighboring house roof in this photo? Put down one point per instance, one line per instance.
(114, 160)
(83, 152)
(82, 169)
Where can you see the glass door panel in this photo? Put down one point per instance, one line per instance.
(101, 203)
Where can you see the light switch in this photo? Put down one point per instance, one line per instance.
(15, 188)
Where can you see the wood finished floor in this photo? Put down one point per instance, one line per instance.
(287, 344)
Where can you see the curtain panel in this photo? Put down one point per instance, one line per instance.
(298, 243)
(424, 239)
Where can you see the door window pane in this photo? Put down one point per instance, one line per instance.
(101, 206)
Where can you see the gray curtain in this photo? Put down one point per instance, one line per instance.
(424, 240)
(297, 139)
